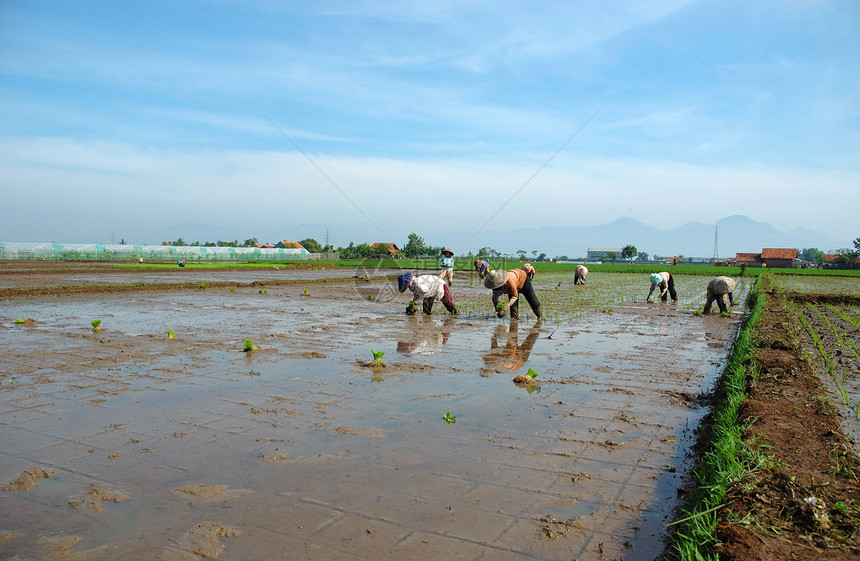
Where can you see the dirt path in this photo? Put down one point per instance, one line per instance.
(190, 447)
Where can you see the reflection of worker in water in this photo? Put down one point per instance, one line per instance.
(530, 270)
(447, 265)
(427, 344)
(580, 274)
(482, 267)
(426, 288)
(667, 285)
(513, 283)
(720, 289)
(512, 356)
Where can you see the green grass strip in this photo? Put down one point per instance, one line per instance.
(726, 461)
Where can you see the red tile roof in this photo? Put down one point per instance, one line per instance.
(390, 247)
(778, 253)
(748, 257)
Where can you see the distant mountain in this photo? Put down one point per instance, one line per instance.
(733, 234)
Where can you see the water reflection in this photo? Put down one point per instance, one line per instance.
(510, 355)
(425, 343)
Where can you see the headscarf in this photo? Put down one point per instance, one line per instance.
(404, 280)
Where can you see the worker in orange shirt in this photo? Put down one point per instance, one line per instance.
(513, 283)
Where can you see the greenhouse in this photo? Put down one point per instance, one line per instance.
(149, 253)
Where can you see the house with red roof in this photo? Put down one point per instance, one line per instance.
(778, 257)
(748, 259)
(289, 245)
(769, 257)
(389, 249)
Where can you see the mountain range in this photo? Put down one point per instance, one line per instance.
(731, 235)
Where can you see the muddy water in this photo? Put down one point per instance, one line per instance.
(190, 447)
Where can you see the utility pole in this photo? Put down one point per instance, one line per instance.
(716, 250)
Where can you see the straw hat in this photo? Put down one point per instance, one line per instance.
(495, 279)
(447, 252)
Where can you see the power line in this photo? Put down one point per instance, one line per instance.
(529, 180)
(324, 174)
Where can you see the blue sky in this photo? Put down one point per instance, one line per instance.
(123, 119)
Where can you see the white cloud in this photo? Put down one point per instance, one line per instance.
(254, 188)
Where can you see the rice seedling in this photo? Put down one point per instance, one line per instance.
(305, 292)
(96, 323)
(201, 286)
(249, 346)
(527, 378)
(19, 321)
(171, 334)
(377, 359)
(449, 418)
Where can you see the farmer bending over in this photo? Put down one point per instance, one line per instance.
(482, 267)
(426, 289)
(580, 274)
(719, 289)
(666, 283)
(530, 271)
(512, 283)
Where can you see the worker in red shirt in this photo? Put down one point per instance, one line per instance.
(513, 283)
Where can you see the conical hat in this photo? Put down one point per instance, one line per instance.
(495, 279)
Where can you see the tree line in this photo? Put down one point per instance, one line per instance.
(416, 247)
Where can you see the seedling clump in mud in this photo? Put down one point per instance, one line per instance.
(377, 359)
(525, 379)
(96, 323)
(249, 346)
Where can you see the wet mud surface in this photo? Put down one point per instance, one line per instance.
(141, 446)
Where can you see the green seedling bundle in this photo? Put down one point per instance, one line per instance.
(377, 359)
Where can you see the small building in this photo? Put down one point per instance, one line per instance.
(748, 259)
(381, 248)
(778, 257)
(599, 254)
(288, 245)
(835, 261)
(769, 257)
(264, 246)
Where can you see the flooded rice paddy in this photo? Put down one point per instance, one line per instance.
(123, 443)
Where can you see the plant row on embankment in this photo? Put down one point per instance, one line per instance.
(724, 459)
